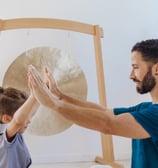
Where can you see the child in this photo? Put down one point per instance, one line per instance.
(16, 110)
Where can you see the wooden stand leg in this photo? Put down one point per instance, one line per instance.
(107, 145)
(108, 154)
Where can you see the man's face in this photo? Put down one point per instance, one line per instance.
(141, 74)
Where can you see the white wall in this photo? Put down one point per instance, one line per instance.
(124, 22)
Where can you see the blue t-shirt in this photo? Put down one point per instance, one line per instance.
(13, 154)
(144, 151)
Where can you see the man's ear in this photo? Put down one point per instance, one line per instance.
(156, 69)
(6, 118)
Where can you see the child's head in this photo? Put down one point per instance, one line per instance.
(10, 100)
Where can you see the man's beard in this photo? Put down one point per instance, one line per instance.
(147, 84)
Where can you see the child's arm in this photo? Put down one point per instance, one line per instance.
(22, 117)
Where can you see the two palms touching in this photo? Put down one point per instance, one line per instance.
(44, 90)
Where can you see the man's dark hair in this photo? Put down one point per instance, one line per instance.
(148, 49)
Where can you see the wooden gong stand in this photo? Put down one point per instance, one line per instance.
(97, 33)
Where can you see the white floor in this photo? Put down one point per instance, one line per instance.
(125, 163)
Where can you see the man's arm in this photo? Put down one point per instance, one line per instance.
(51, 83)
(86, 115)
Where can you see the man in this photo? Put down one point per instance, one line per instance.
(139, 122)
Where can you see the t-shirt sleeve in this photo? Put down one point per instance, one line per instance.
(122, 110)
(148, 118)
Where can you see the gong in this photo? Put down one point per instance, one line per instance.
(68, 74)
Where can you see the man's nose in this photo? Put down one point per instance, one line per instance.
(132, 75)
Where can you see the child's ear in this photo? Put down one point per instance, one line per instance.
(6, 118)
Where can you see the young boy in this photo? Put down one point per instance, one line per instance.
(16, 110)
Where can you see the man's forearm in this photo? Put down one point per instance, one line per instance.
(81, 103)
(87, 117)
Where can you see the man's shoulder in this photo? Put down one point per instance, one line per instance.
(144, 105)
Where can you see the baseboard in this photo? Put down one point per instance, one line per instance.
(62, 158)
(67, 158)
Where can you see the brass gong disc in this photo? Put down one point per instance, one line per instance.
(68, 75)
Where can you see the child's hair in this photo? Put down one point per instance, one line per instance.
(10, 100)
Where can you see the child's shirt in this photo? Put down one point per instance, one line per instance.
(13, 154)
